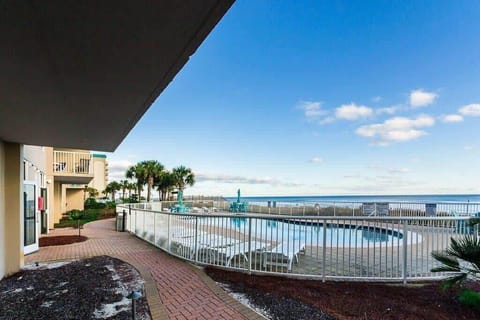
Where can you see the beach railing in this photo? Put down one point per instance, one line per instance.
(330, 208)
(390, 248)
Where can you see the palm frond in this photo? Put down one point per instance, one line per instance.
(467, 248)
(447, 260)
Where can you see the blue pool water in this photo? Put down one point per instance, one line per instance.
(309, 233)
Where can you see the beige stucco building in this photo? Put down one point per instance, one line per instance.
(71, 78)
(68, 172)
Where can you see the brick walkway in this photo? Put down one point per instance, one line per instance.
(174, 289)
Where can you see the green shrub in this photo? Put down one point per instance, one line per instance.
(92, 203)
(469, 298)
(110, 204)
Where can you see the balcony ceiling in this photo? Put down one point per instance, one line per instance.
(80, 74)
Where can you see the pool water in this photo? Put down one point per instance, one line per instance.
(309, 233)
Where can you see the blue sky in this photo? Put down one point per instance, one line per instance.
(324, 98)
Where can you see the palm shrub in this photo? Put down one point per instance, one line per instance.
(462, 258)
(76, 215)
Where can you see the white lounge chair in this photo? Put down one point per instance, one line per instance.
(283, 254)
(190, 247)
(227, 253)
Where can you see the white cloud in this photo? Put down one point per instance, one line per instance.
(327, 120)
(469, 148)
(388, 110)
(117, 169)
(377, 99)
(312, 109)
(451, 118)
(470, 110)
(317, 160)
(377, 167)
(421, 98)
(223, 178)
(353, 112)
(398, 170)
(396, 129)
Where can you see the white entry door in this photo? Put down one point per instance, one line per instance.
(30, 219)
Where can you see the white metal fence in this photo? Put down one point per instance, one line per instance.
(324, 247)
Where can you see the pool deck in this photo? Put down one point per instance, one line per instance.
(175, 289)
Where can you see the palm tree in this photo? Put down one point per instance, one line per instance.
(131, 186)
(165, 183)
(183, 176)
(462, 258)
(137, 172)
(92, 192)
(152, 170)
(124, 184)
(111, 188)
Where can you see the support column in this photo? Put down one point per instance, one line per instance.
(13, 204)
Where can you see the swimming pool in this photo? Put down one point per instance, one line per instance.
(310, 233)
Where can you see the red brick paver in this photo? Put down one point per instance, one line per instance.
(184, 292)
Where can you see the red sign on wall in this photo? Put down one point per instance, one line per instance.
(40, 203)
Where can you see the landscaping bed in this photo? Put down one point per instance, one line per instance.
(281, 297)
(94, 288)
(89, 215)
(60, 240)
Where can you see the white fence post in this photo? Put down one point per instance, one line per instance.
(196, 239)
(154, 228)
(168, 232)
(324, 253)
(404, 251)
(249, 245)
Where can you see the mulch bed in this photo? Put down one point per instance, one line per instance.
(94, 288)
(60, 240)
(346, 300)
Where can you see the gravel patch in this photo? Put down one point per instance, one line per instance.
(94, 288)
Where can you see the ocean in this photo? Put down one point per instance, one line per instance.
(433, 198)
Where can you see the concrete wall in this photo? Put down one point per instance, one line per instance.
(57, 203)
(11, 208)
(99, 180)
(50, 186)
(2, 210)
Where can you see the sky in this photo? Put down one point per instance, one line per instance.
(324, 98)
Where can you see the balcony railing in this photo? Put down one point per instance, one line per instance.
(68, 162)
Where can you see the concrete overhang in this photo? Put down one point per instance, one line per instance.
(80, 74)
(81, 179)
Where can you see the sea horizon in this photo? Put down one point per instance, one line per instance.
(365, 198)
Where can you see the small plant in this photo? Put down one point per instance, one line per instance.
(76, 215)
(463, 259)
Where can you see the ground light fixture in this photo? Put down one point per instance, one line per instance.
(134, 295)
